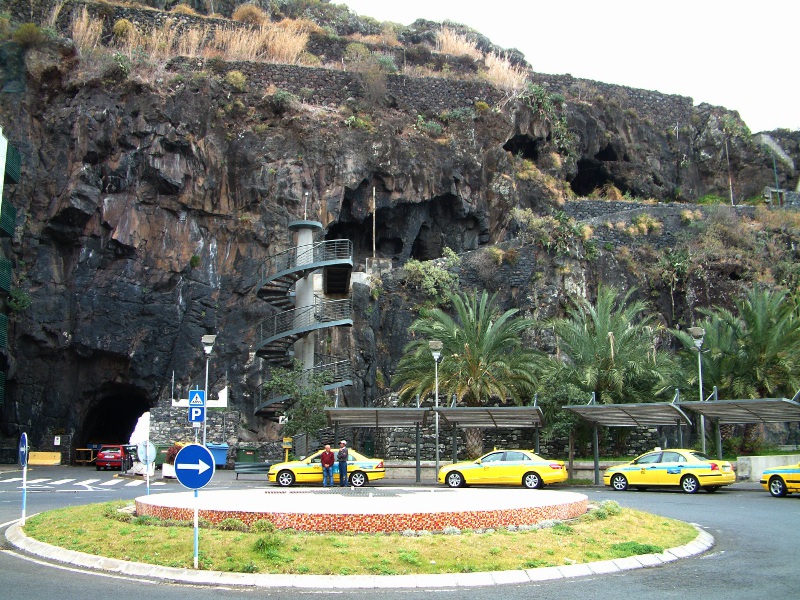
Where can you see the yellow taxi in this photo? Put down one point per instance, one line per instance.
(511, 467)
(780, 481)
(360, 470)
(688, 469)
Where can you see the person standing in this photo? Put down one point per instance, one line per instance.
(327, 459)
(342, 456)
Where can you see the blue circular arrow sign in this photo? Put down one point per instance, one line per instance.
(194, 466)
(23, 449)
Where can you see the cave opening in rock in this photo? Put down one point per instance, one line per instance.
(592, 175)
(524, 145)
(607, 154)
(112, 416)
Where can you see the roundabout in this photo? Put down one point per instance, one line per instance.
(371, 510)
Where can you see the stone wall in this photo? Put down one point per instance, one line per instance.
(330, 87)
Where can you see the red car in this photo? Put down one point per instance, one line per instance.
(113, 456)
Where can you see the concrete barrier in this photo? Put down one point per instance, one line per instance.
(750, 468)
(44, 458)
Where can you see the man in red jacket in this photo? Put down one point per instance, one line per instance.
(327, 459)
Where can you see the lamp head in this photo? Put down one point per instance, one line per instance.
(208, 343)
(697, 334)
(436, 349)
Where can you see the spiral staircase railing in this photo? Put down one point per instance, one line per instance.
(278, 333)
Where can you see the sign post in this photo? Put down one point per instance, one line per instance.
(23, 460)
(147, 454)
(194, 468)
(197, 410)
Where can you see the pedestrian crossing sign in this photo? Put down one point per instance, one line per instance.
(197, 398)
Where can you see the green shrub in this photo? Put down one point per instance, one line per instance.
(262, 526)
(280, 101)
(232, 524)
(194, 262)
(18, 300)
(434, 278)
(123, 29)
(237, 80)
(29, 35)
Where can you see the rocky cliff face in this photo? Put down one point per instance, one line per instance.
(148, 204)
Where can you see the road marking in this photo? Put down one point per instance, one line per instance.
(134, 483)
(35, 481)
(110, 482)
(12, 479)
(60, 481)
(87, 482)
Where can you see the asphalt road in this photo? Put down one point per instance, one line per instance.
(756, 553)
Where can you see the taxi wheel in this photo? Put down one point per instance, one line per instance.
(285, 478)
(619, 482)
(777, 488)
(532, 481)
(358, 479)
(690, 484)
(455, 479)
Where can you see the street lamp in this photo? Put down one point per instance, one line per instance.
(436, 351)
(208, 346)
(698, 333)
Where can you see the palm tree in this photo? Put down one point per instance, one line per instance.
(753, 352)
(611, 348)
(482, 352)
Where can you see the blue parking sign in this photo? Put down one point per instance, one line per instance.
(194, 466)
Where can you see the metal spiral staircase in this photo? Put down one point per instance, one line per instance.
(285, 284)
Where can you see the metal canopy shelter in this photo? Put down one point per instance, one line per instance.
(632, 415)
(757, 410)
(381, 417)
(378, 417)
(493, 416)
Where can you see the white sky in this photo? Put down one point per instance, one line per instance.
(735, 53)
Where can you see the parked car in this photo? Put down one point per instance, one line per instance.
(780, 481)
(688, 469)
(114, 456)
(360, 470)
(511, 467)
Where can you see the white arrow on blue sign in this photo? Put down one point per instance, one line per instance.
(194, 466)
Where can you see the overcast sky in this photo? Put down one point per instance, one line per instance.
(736, 54)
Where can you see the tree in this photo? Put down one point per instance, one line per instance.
(483, 356)
(752, 352)
(610, 348)
(305, 392)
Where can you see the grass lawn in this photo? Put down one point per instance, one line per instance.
(606, 532)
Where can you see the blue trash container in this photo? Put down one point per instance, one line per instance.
(219, 452)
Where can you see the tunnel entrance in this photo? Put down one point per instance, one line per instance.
(112, 416)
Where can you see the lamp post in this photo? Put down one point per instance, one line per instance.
(208, 346)
(436, 351)
(698, 333)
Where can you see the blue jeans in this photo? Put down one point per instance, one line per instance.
(327, 476)
(342, 473)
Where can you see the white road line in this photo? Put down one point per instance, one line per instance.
(60, 481)
(35, 481)
(87, 482)
(11, 480)
(111, 482)
(134, 483)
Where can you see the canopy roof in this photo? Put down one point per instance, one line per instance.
(632, 415)
(378, 417)
(484, 416)
(493, 416)
(756, 410)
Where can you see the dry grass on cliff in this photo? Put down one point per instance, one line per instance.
(268, 43)
(86, 32)
(449, 41)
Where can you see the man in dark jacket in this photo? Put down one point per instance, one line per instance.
(341, 456)
(327, 459)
